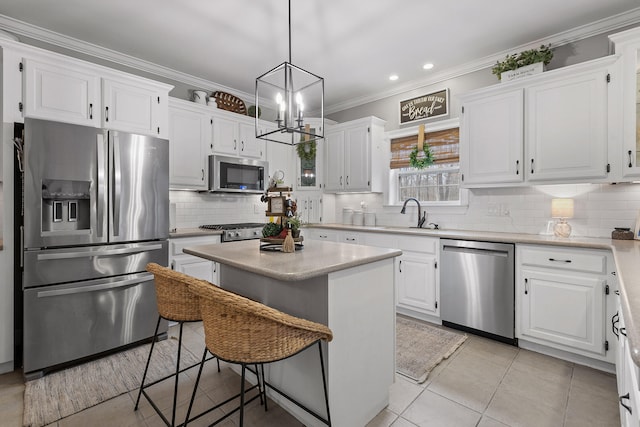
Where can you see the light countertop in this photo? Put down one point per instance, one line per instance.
(626, 254)
(315, 259)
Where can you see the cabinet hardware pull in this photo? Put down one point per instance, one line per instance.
(559, 260)
(623, 331)
(242, 145)
(614, 321)
(235, 144)
(617, 292)
(628, 408)
(340, 179)
(202, 174)
(526, 286)
(630, 159)
(91, 111)
(347, 179)
(517, 167)
(400, 266)
(531, 165)
(106, 114)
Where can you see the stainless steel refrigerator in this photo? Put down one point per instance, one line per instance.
(96, 211)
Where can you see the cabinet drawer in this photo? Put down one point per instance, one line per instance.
(565, 259)
(380, 240)
(178, 244)
(427, 245)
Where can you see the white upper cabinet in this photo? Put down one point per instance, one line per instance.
(64, 89)
(225, 136)
(627, 44)
(132, 106)
(566, 125)
(189, 143)
(355, 156)
(61, 91)
(554, 127)
(250, 146)
(492, 138)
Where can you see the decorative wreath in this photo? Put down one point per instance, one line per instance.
(424, 161)
(302, 150)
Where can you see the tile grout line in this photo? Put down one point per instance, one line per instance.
(500, 383)
(566, 406)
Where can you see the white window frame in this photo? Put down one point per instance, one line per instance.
(394, 174)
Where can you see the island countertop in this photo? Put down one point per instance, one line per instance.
(315, 259)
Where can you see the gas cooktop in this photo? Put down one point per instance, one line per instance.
(241, 231)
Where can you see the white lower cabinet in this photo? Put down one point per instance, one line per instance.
(627, 376)
(193, 265)
(320, 234)
(562, 299)
(417, 278)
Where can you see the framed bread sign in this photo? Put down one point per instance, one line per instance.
(425, 107)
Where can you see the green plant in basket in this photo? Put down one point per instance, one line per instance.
(544, 54)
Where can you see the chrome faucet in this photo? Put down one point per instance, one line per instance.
(422, 217)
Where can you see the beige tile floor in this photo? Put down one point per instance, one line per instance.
(483, 384)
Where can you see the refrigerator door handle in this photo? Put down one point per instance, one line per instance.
(101, 202)
(107, 252)
(117, 185)
(98, 287)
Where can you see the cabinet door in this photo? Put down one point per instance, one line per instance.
(196, 267)
(61, 92)
(357, 159)
(188, 141)
(334, 176)
(280, 157)
(250, 146)
(566, 309)
(627, 44)
(225, 136)
(321, 234)
(314, 209)
(491, 140)
(416, 282)
(567, 128)
(131, 107)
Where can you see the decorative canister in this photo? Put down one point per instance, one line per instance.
(358, 218)
(347, 215)
(370, 219)
(622, 234)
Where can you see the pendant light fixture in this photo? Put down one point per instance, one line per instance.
(294, 94)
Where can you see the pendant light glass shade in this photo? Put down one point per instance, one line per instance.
(294, 94)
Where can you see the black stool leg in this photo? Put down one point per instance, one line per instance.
(195, 387)
(324, 383)
(264, 386)
(175, 387)
(242, 396)
(146, 368)
(259, 385)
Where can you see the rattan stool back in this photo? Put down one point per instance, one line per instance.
(241, 330)
(175, 301)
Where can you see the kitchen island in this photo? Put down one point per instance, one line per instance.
(346, 287)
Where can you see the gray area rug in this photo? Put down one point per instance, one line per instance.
(67, 392)
(420, 347)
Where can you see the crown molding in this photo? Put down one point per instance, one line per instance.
(25, 29)
(17, 27)
(570, 36)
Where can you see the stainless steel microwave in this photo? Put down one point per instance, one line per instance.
(237, 175)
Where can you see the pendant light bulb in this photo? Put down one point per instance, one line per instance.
(298, 98)
(279, 98)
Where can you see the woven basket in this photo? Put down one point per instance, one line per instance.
(226, 101)
(175, 301)
(240, 330)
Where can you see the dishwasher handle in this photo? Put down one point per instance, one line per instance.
(477, 251)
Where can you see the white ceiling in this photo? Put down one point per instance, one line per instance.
(354, 44)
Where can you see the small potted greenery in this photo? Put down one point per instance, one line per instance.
(294, 223)
(528, 57)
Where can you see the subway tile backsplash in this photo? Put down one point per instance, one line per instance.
(599, 208)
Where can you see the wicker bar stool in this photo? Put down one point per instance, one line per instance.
(242, 331)
(177, 304)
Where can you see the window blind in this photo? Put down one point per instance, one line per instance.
(444, 147)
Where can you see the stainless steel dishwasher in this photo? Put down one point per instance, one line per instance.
(477, 287)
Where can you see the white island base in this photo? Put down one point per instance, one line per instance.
(355, 301)
(357, 305)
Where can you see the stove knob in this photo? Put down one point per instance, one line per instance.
(256, 233)
(236, 234)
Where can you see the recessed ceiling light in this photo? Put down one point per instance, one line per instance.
(427, 66)
(393, 77)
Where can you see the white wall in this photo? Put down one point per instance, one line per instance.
(598, 209)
